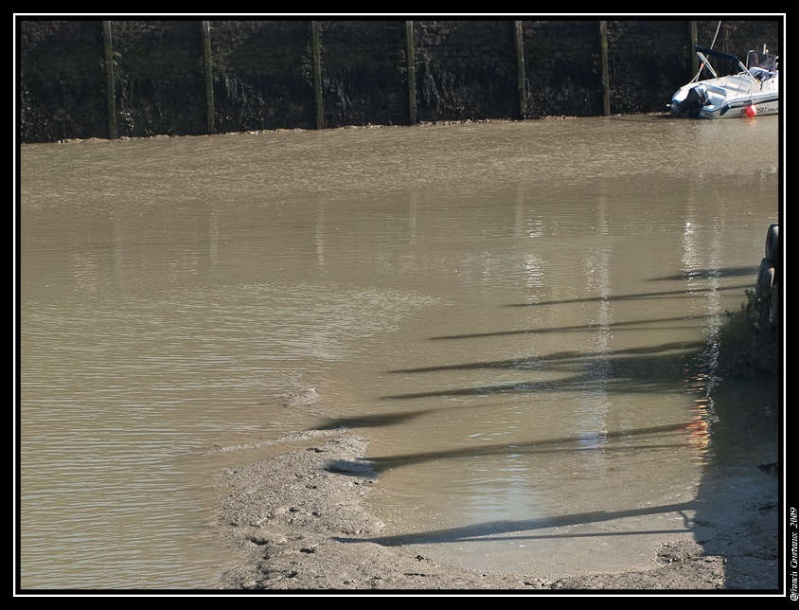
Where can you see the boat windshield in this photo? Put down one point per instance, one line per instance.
(757, 59)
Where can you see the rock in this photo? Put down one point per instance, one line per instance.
(303, 397)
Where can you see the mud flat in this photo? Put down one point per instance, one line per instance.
(299, 523)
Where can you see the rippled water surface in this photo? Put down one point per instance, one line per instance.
(522, 318)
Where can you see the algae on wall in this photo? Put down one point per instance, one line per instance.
(190, 77)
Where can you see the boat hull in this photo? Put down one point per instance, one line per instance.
(745, 107)
(753, 91)
(748, 110)
(706, 100)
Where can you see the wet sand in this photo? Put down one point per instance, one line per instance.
(298, 521)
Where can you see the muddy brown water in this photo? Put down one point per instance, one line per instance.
(523, 319)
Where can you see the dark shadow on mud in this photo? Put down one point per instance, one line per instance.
(634, 370)
(655, 437)
(631, 375)
(373, 421)
(614, 326)
(538, 362)
(750, 559)
(486, 531)
(738, 517)
(639, 296)
(735, 490)
(702, 274)
(740, 424)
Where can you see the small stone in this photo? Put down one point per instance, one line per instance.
(303, 397)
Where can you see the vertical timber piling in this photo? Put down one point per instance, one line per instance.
(316, 52)
(520, 80)
(410, 46)
(209, 77)
(603, 50)
(110, 89)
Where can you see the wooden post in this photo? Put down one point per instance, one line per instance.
(520, 75)
(410, 58)
(110, 90)
(316, 52)
(694, 39)
(209, 77)
(603, 49)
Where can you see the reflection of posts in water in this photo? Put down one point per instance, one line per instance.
(320, 233)
(412, 197)
(699, 433)
(598, 368)
(213, 239)
(702, 376)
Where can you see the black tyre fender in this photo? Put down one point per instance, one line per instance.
(765, 277)
(773, 243)
(774, 305)
(767, 292)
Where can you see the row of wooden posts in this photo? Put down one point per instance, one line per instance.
(317, 71)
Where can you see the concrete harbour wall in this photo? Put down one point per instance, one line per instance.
(95, 78)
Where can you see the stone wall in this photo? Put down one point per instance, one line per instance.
(80, 78)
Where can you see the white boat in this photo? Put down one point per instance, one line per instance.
(750, 89)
